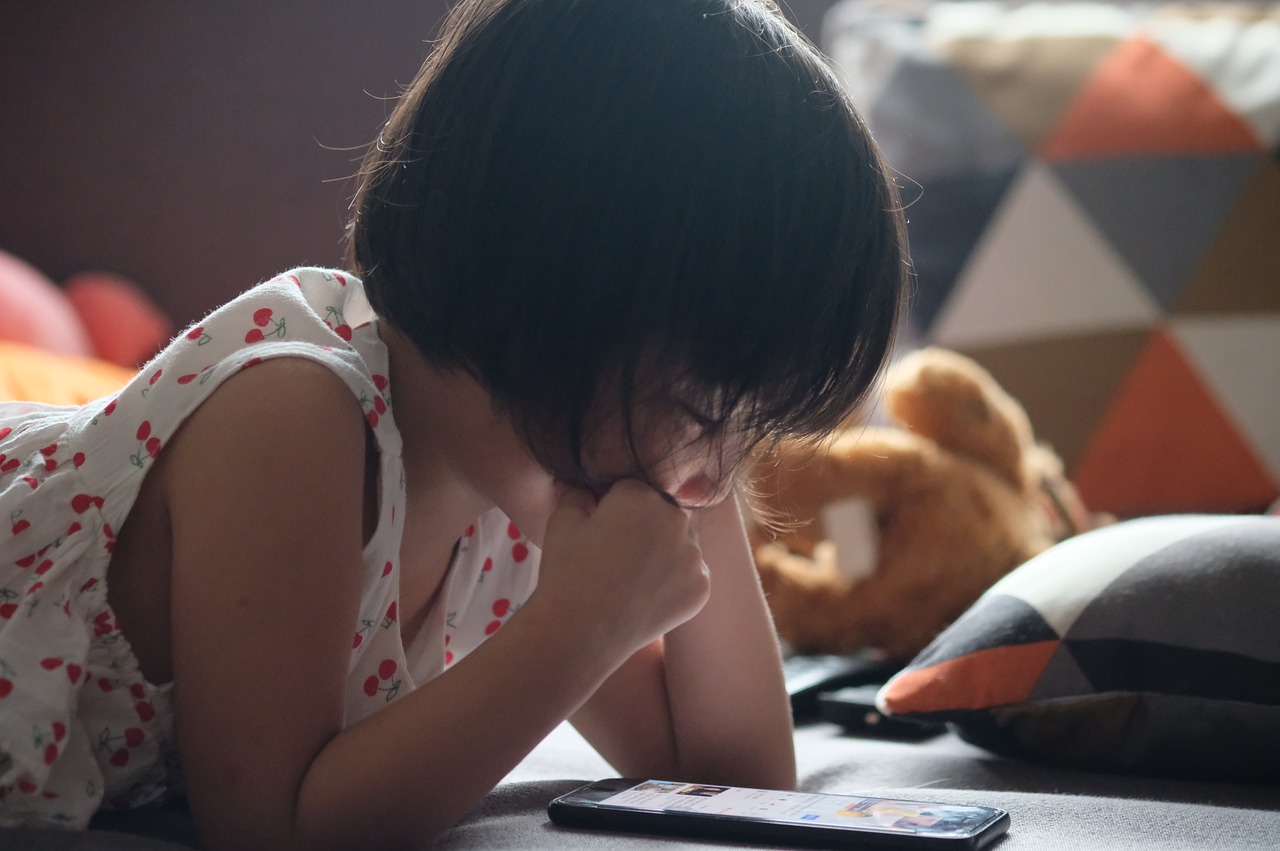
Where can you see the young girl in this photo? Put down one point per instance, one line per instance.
(351, 546)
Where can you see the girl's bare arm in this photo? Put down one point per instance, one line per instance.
(264, 487)
(707, 702)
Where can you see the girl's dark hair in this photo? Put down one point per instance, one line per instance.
(581, 198)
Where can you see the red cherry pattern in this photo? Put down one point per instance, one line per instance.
(373, 685)
(82, 502)
(103, 625)
(374, 408)
(149, 445)
(262, 318)
(50, 463)
(336, 322)
(519, 550)
(501, 608)
(130, 738)
(72, 670)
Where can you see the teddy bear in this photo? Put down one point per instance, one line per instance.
(883, 535)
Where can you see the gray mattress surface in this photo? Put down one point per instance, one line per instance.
(1051, 808)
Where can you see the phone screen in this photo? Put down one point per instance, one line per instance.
(803, 808)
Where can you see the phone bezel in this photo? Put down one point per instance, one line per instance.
(580, 808)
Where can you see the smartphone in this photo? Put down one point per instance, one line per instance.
(805, 819)
(806, 677)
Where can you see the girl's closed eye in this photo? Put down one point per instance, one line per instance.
(673, 445)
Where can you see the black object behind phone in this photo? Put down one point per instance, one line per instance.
(790, 818)
(808, 676)
(854, 708)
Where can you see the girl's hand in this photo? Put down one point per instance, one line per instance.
(682, 707)
(627, 567)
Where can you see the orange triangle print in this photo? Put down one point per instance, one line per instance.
(997, 676)
(1165, 445)
(1140, 101)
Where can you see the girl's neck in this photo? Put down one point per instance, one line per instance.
(462, 457)
(429, 413)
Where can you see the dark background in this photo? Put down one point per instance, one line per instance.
(199, 147)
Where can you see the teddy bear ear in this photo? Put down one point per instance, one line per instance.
(950, 399)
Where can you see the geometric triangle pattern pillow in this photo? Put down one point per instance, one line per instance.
(1148, 646)
(1093, 202)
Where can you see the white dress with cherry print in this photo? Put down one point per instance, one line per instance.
(80, 728)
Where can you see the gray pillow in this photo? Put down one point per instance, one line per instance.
(1152, 645)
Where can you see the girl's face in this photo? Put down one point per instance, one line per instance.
(671, 452)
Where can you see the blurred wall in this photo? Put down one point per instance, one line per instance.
(194, 146)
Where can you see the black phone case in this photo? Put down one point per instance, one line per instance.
(854, 708)
(806, 677)
(584, 814)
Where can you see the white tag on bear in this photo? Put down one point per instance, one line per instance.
(850, 525)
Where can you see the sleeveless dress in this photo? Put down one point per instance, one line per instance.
(80, 728)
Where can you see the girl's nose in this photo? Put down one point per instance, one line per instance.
(694, 491)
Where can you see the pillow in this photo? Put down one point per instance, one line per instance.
(35, 312)
(123, 324)
(34, 375)
(1150, 646)
(1093, 196)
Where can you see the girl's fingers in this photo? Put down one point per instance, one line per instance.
(577, 502)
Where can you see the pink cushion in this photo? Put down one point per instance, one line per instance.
(35, 312)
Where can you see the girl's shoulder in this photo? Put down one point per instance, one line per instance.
(316, 316)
